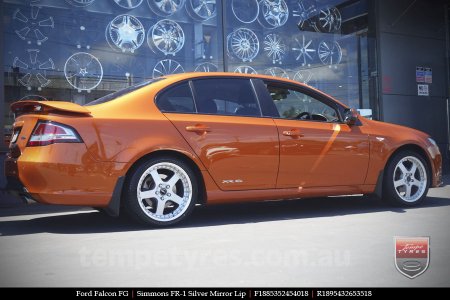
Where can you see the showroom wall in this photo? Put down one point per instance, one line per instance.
(80, 50)
(412, 34)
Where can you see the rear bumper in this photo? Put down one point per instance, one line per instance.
(62, 174)
(13, 184)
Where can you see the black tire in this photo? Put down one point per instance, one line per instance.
(145, 210)
(417, 184)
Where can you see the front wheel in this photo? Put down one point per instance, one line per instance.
(406, 180)
(161, 191)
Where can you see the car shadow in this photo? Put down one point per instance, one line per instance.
(90, 221)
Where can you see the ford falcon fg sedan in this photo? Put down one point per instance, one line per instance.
(156, 150)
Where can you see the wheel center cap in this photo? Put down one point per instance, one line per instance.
(163, 192)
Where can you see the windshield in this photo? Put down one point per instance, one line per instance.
(122, 92)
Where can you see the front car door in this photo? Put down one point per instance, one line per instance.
(316, 148)
(225, 129)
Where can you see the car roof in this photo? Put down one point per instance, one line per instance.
(192, 75)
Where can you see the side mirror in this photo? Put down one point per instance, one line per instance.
(350, 116)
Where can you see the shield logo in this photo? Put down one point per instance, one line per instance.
(412, 255)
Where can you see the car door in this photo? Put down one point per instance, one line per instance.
(225, 129)
(316, 148)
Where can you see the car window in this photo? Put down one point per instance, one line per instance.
(177, 99)
(294, 104)
(122, 92)
(226, 96)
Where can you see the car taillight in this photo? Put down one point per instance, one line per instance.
(47, 132)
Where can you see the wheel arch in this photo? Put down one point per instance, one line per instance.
(174, 154)
(406, 147)
(414, 148)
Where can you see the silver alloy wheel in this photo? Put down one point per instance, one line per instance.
(273, 13)
(305, 51)
(164, 192)
(410, 179)
(167, 67)
(305, 10)
(165, 8)
(83, 71)
(243, 44)
(276, 72)
(202, 9)
(166, 36)
(329, 20)
(126, 33)
(245, 70)
(245, 11)
(330, 53)
(275, 49)
(206, 67)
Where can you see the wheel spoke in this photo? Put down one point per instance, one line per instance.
(160, 205)
(399, 183)
(177, 199)
(155, 176)
(413, 169)
(416, 182)
(173, 180)
(408, 191)
(402, 168)
(147, 194)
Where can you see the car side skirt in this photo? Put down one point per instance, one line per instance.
(221, 197)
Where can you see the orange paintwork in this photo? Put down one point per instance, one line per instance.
(322, 155)
(239, 158)
(254, 147)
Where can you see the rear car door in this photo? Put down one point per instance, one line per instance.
(225, 129)
(316, 148)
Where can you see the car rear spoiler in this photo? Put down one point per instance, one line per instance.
(31, 106)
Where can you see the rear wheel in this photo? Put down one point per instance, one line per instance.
(406, 180)
(161, 191)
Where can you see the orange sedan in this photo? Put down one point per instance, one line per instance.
(157, 149)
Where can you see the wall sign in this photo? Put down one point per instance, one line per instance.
(428, 75)
(424, 75)
(423, 90)
(420, 74)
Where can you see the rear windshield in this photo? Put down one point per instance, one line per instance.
(122, 92)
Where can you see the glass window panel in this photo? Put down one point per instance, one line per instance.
(226, 97)
(293, 104)
(177, 99)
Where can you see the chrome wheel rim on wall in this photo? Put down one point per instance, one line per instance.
(201, 10)
(165, 8)
(164, 192)
(410, 179)
(166, 36)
